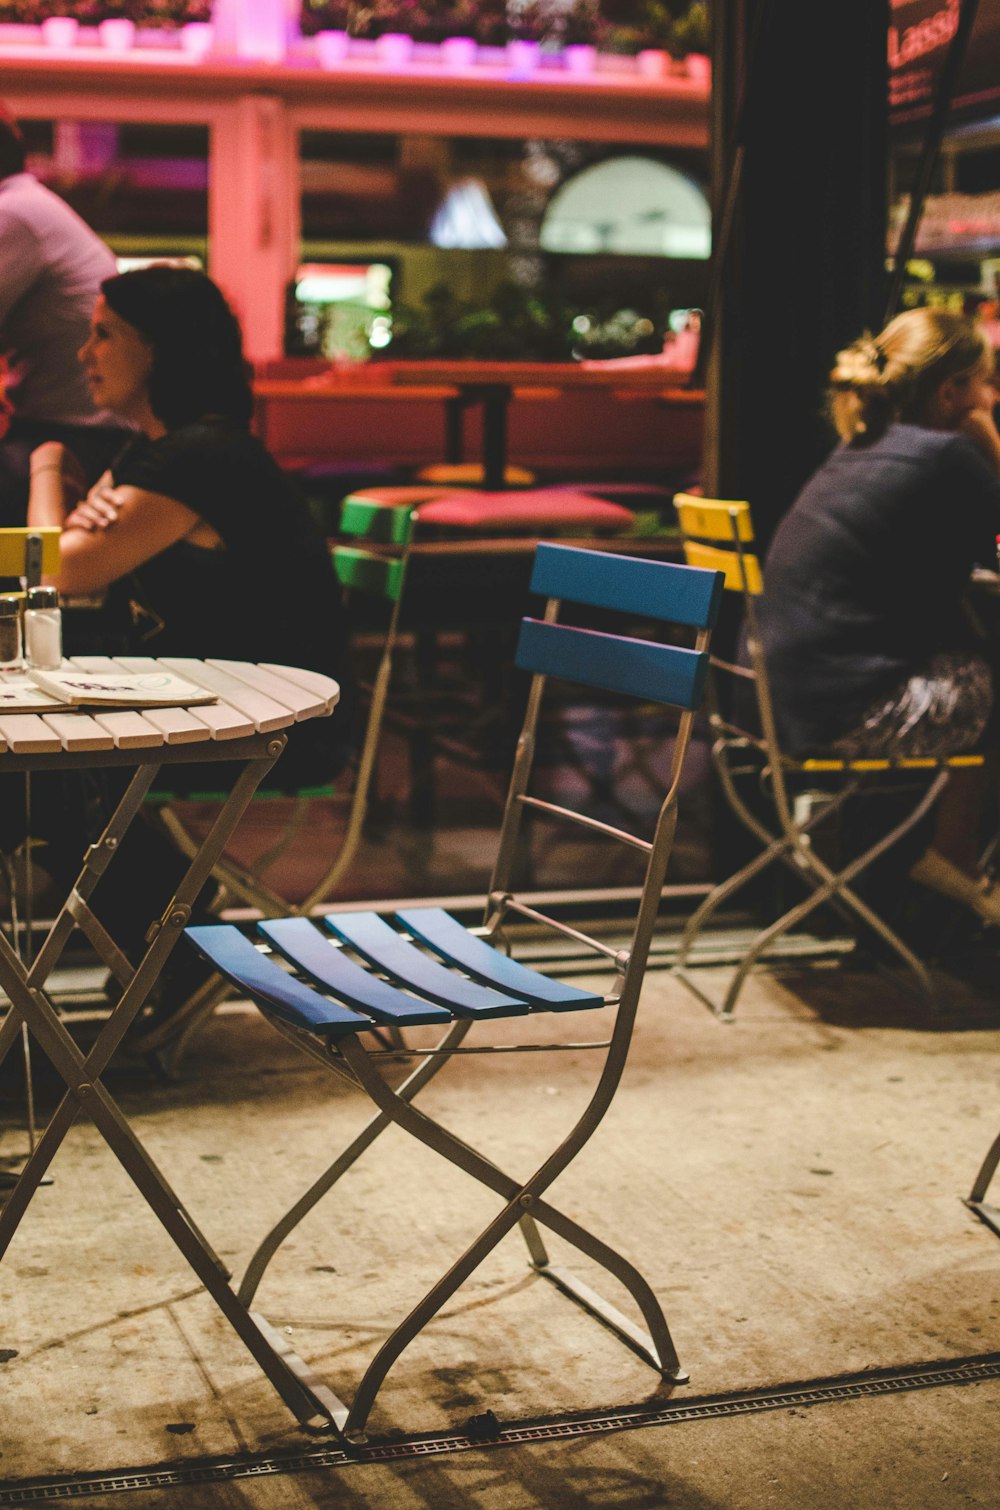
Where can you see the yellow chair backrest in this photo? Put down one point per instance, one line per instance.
(726, 522)
(713, 518)
(14, 545)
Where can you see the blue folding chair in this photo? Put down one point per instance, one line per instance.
(342, 984)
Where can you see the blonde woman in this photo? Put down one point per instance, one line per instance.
(868, 645)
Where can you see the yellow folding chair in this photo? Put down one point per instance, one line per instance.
(29, 552)
(719, 534)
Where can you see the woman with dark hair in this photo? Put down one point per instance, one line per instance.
(202, 546)
(196, 535)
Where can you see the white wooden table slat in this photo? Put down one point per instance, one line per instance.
(28, 734)
(137, 664)
(224, 721)
(129, 730)
(265, 712)
(93, 663)
(302, 703)
(179, 726)
(312, 681)
(246, 707)
(78, 731)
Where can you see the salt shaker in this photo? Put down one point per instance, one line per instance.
(10, 633)
(43, 629)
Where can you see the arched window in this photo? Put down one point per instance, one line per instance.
(629, 206)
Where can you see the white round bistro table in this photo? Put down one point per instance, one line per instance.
(255, 705)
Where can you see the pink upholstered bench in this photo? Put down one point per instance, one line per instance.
(530, 510)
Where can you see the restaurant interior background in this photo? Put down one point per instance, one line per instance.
(359, 210)
(476, 241)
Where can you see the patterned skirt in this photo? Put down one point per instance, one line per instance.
(942, 709)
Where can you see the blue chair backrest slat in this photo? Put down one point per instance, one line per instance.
(235, 957)
(655, 673)
(454, 944)
(303, 945)
(645, 589)
(388, 951)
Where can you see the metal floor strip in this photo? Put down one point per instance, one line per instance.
(484, 1432)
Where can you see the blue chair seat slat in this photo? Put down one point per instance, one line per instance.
(640, 668)
(658, 590)
(457, 946)
(235, 957)
(303, 945)
(389, 952)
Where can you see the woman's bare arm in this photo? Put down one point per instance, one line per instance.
(144, 525)
(980, 427)
(111, 531)
(57, 483)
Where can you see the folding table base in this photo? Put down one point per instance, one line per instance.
(81, 1072)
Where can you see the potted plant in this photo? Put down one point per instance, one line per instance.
(529, 23)
(657, 21)
(580, 25)
(332, 23)
(192, 19)
(618, 30)
(60, 23)
(168, 15)
(115, 24)
(489, 22)
(394, 24)
(59, 20)
(690, 41)
(459, 41)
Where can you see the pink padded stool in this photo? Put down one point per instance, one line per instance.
(532, 510)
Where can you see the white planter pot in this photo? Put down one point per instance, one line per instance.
(197, 38)
(458, 52)
(331, 48)
(652, 63)
(60, 31)
(394, 48)
(117, 33)
(698, 67)
(522, 57)
(579, 57)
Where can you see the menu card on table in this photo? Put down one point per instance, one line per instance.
(47, 691)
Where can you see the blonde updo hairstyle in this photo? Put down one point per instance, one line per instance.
(894, 376)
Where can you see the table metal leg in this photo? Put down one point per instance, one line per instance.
(495, 401)
(85, 1091)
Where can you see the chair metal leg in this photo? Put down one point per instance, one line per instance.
(829, 886)
(522, 1198)
(415, 1081)
(976, 1200)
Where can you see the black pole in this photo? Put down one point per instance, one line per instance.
(947, 84)
(804, 231)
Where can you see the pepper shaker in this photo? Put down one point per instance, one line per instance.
(10, 633)
(43, 629)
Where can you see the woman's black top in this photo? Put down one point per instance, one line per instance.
(865, 576)
(269, 594)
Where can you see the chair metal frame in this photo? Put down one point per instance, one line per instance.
(976, 1199)
(716, 534)
(360, 568)
(328, 1007)
(29, 552)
